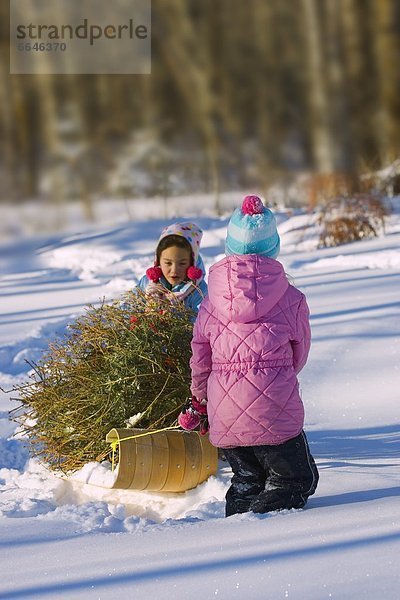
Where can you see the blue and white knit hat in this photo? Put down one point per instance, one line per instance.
(252, 230)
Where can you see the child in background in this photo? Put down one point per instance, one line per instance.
(251, 338)
(178, 270)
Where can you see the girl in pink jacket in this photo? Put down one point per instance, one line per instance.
(251, 338)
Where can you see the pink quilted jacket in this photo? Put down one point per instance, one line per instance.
(251, 338)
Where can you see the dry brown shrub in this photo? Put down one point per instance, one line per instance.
(350, 219)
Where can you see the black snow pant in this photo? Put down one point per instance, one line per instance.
(267, 478)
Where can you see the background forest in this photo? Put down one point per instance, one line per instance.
(241, 95)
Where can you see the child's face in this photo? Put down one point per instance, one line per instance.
(174, 263)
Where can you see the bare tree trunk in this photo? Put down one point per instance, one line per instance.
(318, 96)
(225, 58)
(352, 72)
(8, 131)
(187, 65)
(7, 140)
(342, 137)
(387, 50)
(268, 91)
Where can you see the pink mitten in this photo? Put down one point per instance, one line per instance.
(188, 420)
(200, 406)
(204, 426)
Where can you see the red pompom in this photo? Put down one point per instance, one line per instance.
(194, 273)
(154, 274)
(252, 205)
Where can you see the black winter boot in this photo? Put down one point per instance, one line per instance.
(279, 499)
(247, 482)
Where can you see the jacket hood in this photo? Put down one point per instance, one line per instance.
(244, 288)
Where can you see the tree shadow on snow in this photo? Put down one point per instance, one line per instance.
(348, 311)
(348, 448)
(173, 569)
(354, 497)
(378, 443)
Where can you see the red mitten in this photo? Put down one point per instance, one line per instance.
(204, 426)
(193, 415)
(200, 406)
(188, 420)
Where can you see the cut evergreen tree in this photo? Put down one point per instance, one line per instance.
(121, 364)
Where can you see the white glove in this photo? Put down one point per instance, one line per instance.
(156, 290)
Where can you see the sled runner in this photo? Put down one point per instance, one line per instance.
(163, 461)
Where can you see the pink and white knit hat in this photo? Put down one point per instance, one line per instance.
(191, 232)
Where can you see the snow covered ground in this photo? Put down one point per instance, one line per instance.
(73, 539)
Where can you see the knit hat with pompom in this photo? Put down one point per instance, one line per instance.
(192, 234)
(190, 231)
(252, 230)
